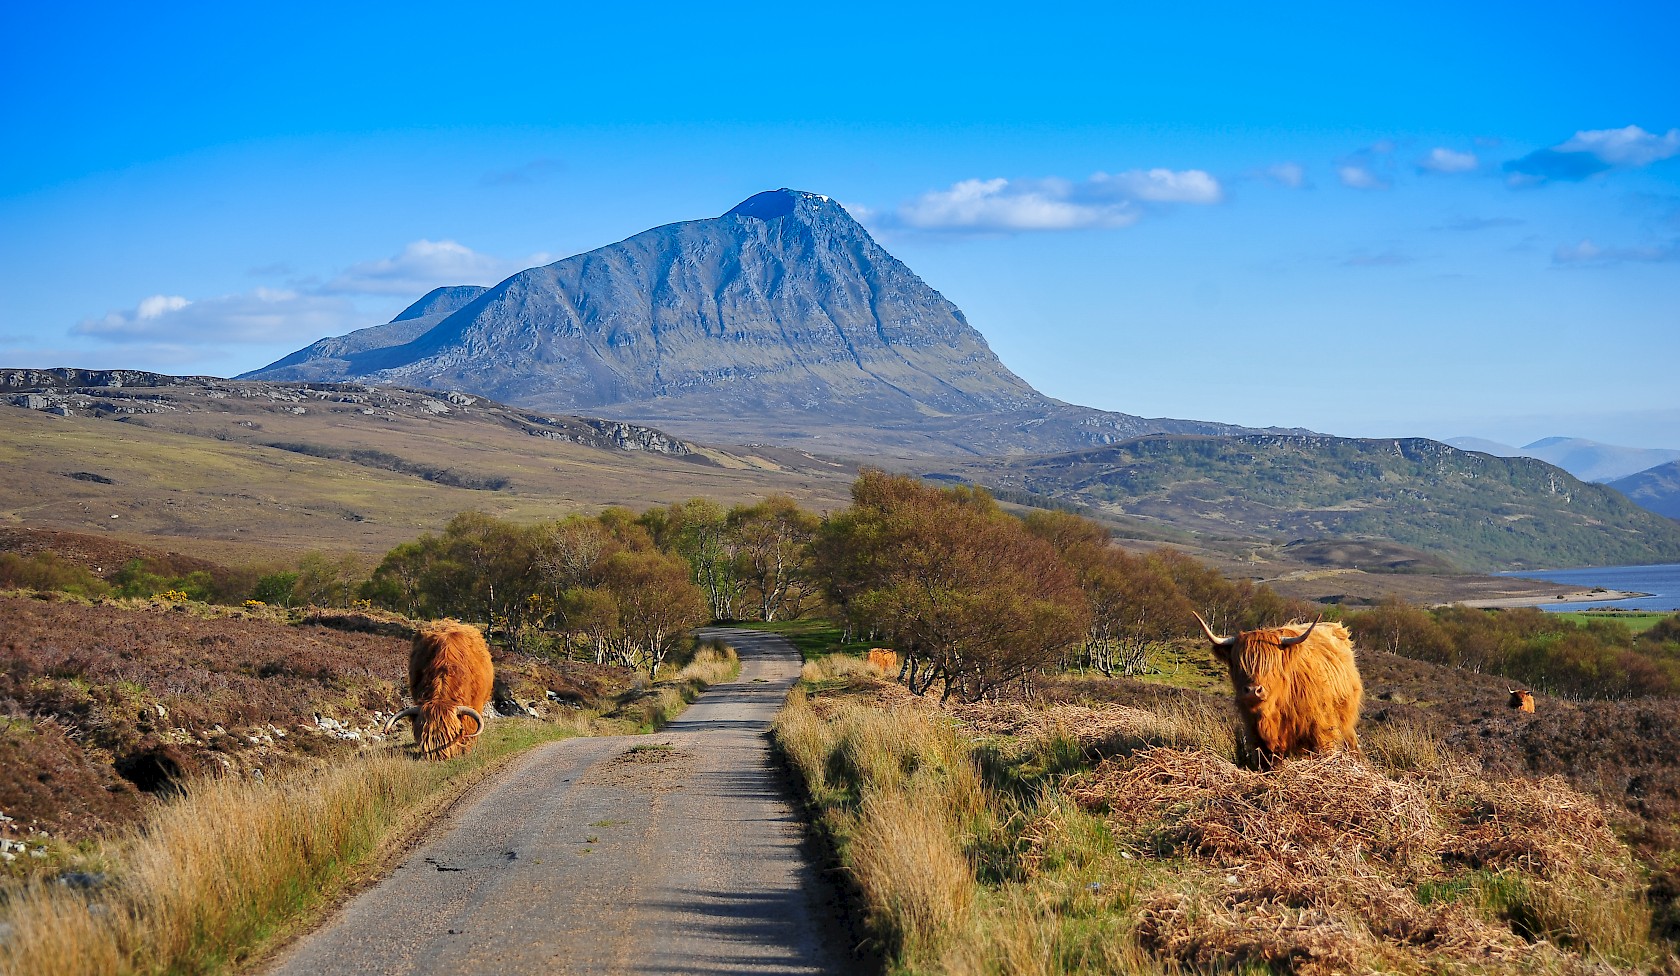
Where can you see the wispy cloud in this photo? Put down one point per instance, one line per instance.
(1103, 200)
(263, 315)
(424, 265)
(535, 171)
(1290, 174)
(1593, 151)
(1444, 160)
(1360, 177)
(1588, 253)
(1369, 168)
(167, 324)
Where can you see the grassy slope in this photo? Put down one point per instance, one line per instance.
(1479, 511)
(203, 474)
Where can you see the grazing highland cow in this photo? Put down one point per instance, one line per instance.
(881, 657)
(1522, 701)
(1297, 688)
(450, 676)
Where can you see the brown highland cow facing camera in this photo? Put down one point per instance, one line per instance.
(1522, 701)
(450, 677)
(1297, 689)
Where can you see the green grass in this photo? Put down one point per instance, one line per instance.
(1637, 622)
(812, 636)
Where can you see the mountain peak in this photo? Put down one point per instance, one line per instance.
(772, 204)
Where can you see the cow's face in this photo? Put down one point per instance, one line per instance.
(1258, 661)
(1257, 673)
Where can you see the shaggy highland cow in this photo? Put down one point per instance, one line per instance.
(884, 658)
(449, 677)
(1297, 688)
(1522, 701)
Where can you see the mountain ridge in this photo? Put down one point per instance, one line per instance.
(781, 316)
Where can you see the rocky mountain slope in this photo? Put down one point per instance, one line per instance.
(781, 320)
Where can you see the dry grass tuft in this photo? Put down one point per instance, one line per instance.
(914, 878)
(1326, 860)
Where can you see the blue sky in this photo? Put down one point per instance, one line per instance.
(1368, 221)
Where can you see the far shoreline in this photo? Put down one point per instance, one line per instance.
(1574, 596)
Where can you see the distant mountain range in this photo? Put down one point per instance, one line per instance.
(1587, 460)
(1655, 489)
(781, 320)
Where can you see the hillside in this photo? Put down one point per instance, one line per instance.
(1655, 489)
(781, 320)
(1478, 511)
(249, 470)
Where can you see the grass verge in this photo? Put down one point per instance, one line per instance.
(1019, 839)
(650, 706)
(212, 876)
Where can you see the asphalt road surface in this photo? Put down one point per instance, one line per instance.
(671, 853)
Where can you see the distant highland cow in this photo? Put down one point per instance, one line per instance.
(883, 658)
(450, 677)
(1522, 701)
(1297, 689)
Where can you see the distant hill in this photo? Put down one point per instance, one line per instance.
(1654, 489)
(1484, 446)
(247, 470)
(782, 321)
(1480, 512)
(1587, 460)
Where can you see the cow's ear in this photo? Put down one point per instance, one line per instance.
(1222, 653)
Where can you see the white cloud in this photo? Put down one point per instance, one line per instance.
(151, 308)
(1590, 152)
(1106, 200)
(1161, 185)
(1629, 146)
(1360, 177)
(1292, 175)
(1443, 160)
(264, 315)
(1586, 252)
(424, 265)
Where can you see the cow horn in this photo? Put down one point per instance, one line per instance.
(1298, 638)
(405, 713)
(1217, 641)
(461, 710)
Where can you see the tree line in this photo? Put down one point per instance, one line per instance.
(973, 597)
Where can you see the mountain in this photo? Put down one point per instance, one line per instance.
(1592, 461)
(328, 360)
(1480, 512)
(1587, 460)
(1654, 489)
(779, 320)
(1484, 446)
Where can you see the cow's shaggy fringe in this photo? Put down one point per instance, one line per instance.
(234, 862)
(1007, 839)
